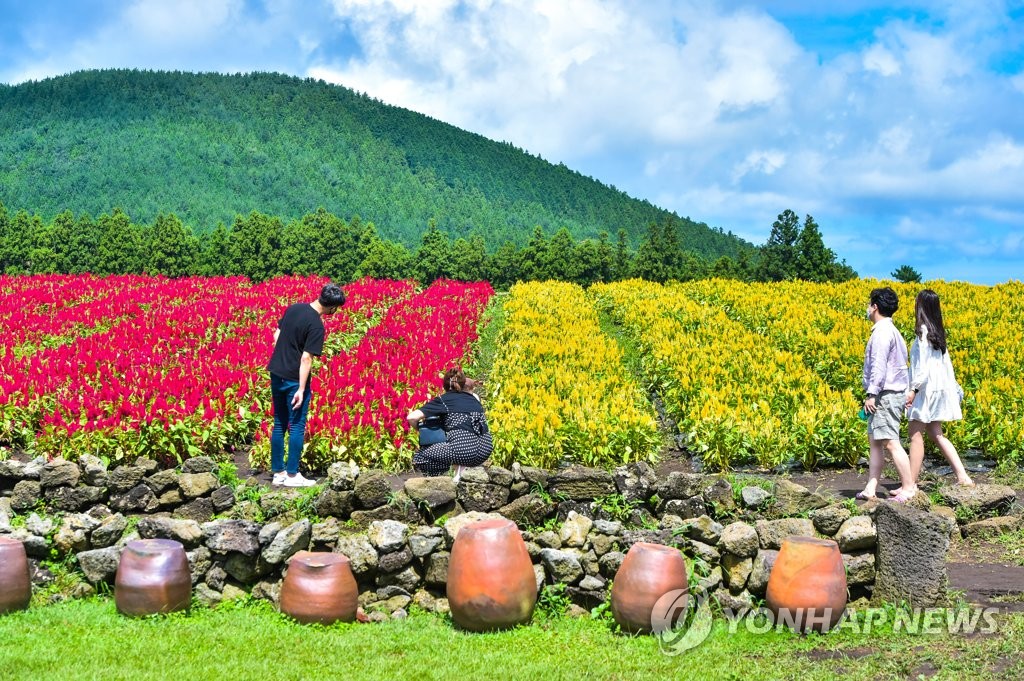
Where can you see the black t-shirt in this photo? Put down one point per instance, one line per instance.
(462, 403)
(302, 330)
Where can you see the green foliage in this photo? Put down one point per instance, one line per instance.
(616, 506)
(1013, 547)
(227, 474)
(792, 252)
(965, 514)
(553, 602)
(66, 582)
(814, 260)
(780, 256)
(739, 481)
(906, 274)
(304, 503)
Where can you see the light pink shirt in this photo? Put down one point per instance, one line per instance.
(885, 359)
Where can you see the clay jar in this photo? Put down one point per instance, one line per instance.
(807, 585)
(491, 583)
(152, 578)
(319, 588)
(15, 586)
(648, 572)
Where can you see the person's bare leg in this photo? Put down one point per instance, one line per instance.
(902, 462)
(916, 431)
(876, 458)
(949, 451)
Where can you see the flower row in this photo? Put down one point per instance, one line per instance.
(184, 375)
(361, 396)
(558, 386)
(825, 325)
(734, 397)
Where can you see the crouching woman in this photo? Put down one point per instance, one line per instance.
(468, 441)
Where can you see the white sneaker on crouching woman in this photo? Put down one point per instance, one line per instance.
(298, 481)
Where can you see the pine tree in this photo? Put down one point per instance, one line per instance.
(535, 257)
(170, 247)
(906, 274)
(214, 252)
(256, 246)
(505, 267)
(120, 244)
(385, 260)
(562, 261)
(623, 262)
(469, 258)
(814, 260)
(779, 255)
(434, 256)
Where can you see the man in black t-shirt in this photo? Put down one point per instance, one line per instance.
(299, 336)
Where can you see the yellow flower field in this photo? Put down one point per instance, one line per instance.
(772, 372)
(735, 397)
(558, 389)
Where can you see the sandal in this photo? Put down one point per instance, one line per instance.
(903, 497)
(860, 496)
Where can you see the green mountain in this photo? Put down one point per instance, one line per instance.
(208, 147)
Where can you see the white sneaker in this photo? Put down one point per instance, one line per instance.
(279, 478)
(298, 481)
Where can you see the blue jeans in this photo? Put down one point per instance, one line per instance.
(287, 419)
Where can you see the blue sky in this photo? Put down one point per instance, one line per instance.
(898, 125)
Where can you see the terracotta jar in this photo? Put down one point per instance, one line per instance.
(152, 578)
(491, 583)
(648, 572)
(807, 585)
(15, 585)
(319, 587)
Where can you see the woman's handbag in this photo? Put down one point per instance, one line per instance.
(431, 429)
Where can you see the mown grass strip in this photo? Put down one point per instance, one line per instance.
(89, 640)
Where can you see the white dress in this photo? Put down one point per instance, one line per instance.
(931, 373)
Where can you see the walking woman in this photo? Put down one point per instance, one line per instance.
(468, 440)
(934, 396)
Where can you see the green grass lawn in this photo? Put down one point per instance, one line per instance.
(87, 639)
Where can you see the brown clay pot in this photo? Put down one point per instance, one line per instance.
(319, 588)
(491, 583)
(15, 585)
(152, 578)
(648, 572)
(807, 585)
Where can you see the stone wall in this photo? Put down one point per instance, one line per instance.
(577, 522)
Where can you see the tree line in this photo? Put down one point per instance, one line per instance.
(260, 246)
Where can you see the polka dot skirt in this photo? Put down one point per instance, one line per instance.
(462, 447)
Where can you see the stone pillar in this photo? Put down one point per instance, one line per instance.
(911, 558)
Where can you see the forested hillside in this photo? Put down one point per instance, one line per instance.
(209, 147)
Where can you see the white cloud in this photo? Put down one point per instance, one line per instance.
(765, 162)
(880, 60)
(545, 75)
(183, 21)
(1018, 82)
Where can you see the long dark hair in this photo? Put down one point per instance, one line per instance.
(928, 313)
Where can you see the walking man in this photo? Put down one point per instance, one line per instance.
(299, 336)
(886, 380)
